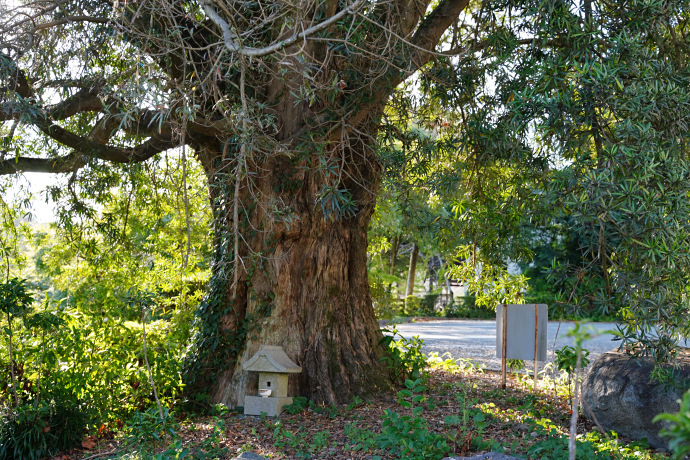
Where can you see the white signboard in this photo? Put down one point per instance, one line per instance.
(525, 325)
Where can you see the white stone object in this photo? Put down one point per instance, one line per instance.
(272, 407)
(273, 366)
(520, 331)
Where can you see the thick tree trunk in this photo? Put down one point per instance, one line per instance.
(303, 285)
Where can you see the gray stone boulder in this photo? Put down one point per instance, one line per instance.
(618, 394)
(487, 456)
(249, 456)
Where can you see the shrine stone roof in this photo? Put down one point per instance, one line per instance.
(271, 358)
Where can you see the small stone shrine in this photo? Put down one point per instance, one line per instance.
(273, 366)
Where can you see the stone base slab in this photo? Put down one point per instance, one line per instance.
(256, 405)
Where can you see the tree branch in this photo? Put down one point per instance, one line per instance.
(200, 126)
(20, 10)
(85, 146)
(84, 149)
(233, 45)
(68, 19)
(433, 27)
(85, 100)
(64, 164)
(18, 82)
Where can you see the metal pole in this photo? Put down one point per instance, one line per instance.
(536, 326)
(504, 346)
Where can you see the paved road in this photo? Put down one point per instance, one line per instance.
(476, 339)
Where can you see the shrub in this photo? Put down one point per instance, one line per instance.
(34, 431)
(678, 428)
(384, 302)
(403, 356)
(413, 306)
(147, 427)
(466, 307)
(408, 436)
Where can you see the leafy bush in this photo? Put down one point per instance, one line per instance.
(15, 301)
(300, 403)
(515, 365)
(413, 306)
(566, 359)
(148, 427)
(403, 356)
(471, 422)
(591, 445)
(305, 444)
(106, 364)
(679, 428)
(99, 357)
(408, 436)
(451, 365)
(385, 304)
(466, 307)
(34, 431)
(146, 431)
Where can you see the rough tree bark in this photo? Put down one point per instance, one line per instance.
(303, 286)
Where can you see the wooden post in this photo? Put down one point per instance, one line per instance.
(504, 346)
(536, 326)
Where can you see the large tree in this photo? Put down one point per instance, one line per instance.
(281, 103)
